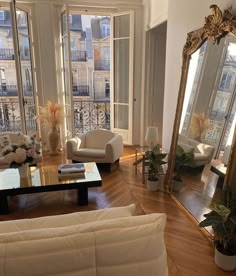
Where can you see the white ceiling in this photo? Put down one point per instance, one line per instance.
(98, 3)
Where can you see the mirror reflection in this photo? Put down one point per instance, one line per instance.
(207, 126)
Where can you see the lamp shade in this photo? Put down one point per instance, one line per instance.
(151, 137)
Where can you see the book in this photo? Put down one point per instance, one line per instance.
(71, 168)
(71, 175)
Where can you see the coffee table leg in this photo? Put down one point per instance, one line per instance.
(83, 195)
(3, 204)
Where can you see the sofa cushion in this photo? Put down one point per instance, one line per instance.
(37, 234)
(67, 219)
(87, 152)
(127, 249)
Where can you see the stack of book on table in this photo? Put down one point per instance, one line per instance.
(75, 170)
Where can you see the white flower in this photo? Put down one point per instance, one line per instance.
(20, 155)
(10, 157)
(6, 149)
(24, 140)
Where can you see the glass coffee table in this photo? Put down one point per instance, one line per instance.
(46, 179)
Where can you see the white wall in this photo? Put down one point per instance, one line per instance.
(138, 44)
(183, 16)
(156, 12)
(46, 62)
(155, 78)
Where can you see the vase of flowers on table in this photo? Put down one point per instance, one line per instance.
(22, 154)
(52, 117)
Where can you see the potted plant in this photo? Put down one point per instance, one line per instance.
(182, 159)
(153, 159)
(222, 219)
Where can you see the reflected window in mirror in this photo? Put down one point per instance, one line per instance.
(209, 103)
(195, 69)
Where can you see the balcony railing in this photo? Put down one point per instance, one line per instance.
(102, 65)
(10, 119)
(12, 90)
(80, 90)
(78, 55)
(7, 54)
(90, 115)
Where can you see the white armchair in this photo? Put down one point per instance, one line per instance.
(203, 153)
(100, 146)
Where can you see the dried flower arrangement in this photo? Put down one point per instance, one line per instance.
(51, 115)
(199, 125)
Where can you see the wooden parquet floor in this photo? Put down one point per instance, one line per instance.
(189, 251)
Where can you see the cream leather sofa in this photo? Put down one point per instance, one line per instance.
(203, 153)
(100, 146)
(15, 138)
(94, 243)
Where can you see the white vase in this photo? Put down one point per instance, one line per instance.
(24, 170)
(227, 263)
(53, 140)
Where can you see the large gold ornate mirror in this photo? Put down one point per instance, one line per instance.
(204, 128)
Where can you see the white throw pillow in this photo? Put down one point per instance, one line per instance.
(126, 250)
(67, 219)
(81, 228)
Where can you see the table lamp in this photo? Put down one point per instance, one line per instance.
(151, 137)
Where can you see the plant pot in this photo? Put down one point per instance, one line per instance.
(227, 263)
(152, 185)
(177, 185)
(53, 140)
(24, 170)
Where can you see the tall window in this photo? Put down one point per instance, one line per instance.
(17, 108)
(86, 48)
(90, 68)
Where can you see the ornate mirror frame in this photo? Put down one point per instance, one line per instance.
(217, 25)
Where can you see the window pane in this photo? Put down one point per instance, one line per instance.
(22, 22)
(121, 71)
(63, 23)
(223, 98)
(10, 119)
(121, 115)
(121, 26)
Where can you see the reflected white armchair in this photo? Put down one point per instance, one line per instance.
(203, 153)
(100, 146)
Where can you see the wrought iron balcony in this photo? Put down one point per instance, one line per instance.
(80, 90)
(10, 119)
(78, 55)
(90, 115)
(12, 90)
(7, 54)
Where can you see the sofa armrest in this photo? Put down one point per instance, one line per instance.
(114, 148)
(206, 149)
(74, 144)
(186, 147)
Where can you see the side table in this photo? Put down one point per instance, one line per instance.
(140, 152)
(142, 168)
